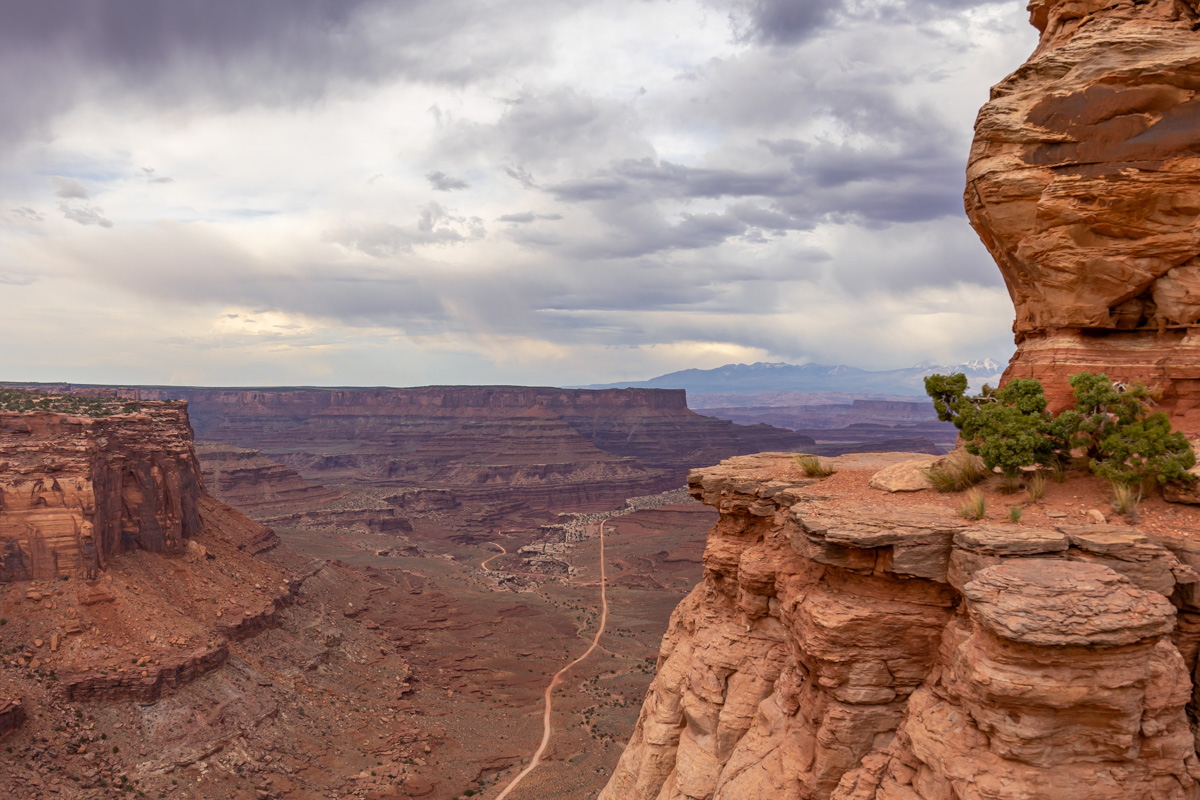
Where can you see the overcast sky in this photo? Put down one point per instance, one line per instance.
(408, 192)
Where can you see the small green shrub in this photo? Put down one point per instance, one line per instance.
(1014, 513)
(1112, 426)
(811, 466)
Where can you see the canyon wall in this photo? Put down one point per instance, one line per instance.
(857, 652)
(76, 490)
(536, 449)
(1084, 183)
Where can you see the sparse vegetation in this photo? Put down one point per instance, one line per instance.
(1125, 497)
(1111, 425)
(1035, 484)
(975, 506)
(1014, 513)
(24, 400)
(958, 472)
(811, 466)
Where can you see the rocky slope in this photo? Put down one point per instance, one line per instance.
(75, 490)
(850, 651)
(1084, 183)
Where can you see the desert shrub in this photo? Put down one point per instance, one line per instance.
(811, 466)
(957, 473)
(1014, 513)
(1119, 435)
(1009, 428)
(1112, 426)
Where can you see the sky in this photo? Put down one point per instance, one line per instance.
(554, 192)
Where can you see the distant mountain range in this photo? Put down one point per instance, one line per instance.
(764, 378)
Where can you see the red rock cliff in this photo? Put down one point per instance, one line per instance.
(76, 490)
(1084, 183)
(866, 653)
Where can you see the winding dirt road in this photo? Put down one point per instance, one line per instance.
(557, 679)
(502, 552)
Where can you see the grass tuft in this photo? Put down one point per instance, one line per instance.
(1014, 513)
(1036, 486)
(1125, 497)
(975, 507)
(812, 466)
(957, 473)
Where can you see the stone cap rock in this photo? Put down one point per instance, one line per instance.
(1057, 603)
(750, 483)
(909, 542)
(1002, 540)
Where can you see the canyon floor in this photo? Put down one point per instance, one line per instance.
(403, 663)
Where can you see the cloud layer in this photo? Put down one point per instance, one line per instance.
(359, 191)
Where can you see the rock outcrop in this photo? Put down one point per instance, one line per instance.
(1084, 183)
(532, 448)
(12, 715)
(855, 652)
(76, 490)
(253, 483)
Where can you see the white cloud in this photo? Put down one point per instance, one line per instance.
(543, 192)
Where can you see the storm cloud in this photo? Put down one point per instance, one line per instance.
(533, 191)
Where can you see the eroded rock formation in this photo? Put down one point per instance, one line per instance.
(1084, 183)
(855, 652)
(253, 483)
(76, 490)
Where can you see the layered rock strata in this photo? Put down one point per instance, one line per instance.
(862, 653)
(142, 685)
(1084, 183)
(77, 490)
(253, 483)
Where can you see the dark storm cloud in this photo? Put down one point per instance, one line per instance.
(441, 182)
(233, 52)
(789, 22)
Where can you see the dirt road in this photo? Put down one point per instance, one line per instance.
(557, 679)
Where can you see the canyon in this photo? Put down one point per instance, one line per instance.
(154, 639)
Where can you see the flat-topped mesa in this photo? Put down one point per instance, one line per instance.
(845, 649)
(1084, 183)
(76, 490)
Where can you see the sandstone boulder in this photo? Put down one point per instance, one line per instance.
(907, 476)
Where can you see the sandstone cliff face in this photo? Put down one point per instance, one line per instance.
(871, 654)
(76, 490)
(1084, 183)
